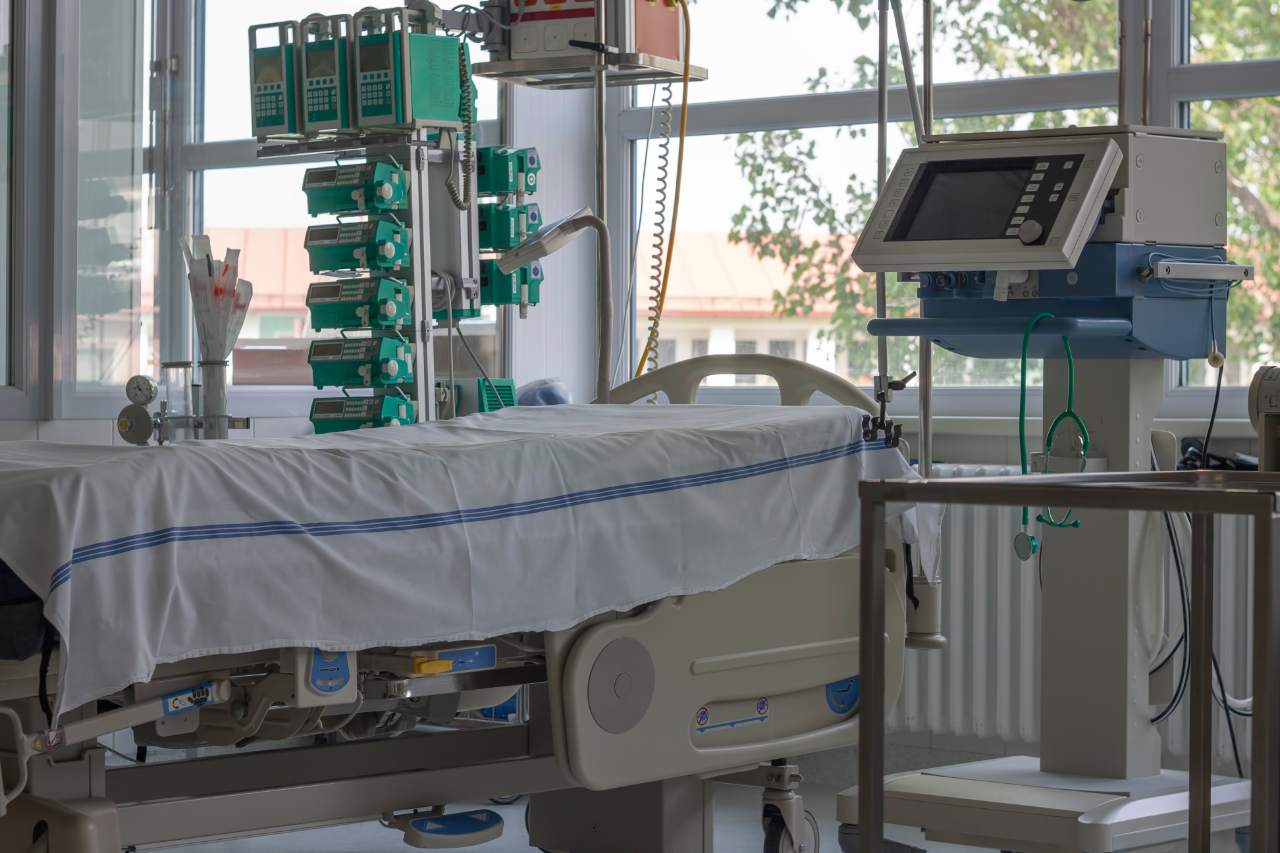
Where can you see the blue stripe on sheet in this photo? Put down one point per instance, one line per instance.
(205, 532)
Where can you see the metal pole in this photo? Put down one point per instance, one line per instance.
(603, 331)
(1122, 104)
(1264, 766)
(1201, 651)
(908, 70)
(926, 346)
(871, 675)
(882, 168)
(1146, 64)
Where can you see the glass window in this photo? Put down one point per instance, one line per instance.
(741, 347)
(1231, 30)
(667, 350)
(226, 71)
(6, 52)
(797, 46)
(1253, 187)
(262, 211)
(767, 226)
(782, 349)
(115, 247)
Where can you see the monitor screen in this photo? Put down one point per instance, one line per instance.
(963, 200)
(268, 67)
(375, 56)
(321, 63)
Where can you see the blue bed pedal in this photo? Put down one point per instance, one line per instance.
(454, 831)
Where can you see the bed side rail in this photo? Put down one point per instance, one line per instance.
(797, 381)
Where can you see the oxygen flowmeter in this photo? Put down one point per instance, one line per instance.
(373, 245)
(361, 362)
(357, 188)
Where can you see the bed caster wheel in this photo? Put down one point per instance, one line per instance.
(778, 840)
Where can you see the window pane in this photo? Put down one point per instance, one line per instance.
(6, 46)
(115, 247)
(1253, 321)
(787, 47)
(226, 71)
(270, 233)
(767, 227)
(1231, 30)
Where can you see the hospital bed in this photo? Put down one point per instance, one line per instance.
(624, 709)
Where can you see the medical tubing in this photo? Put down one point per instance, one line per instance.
(663, 182)
(1069, 413)
(652, 342)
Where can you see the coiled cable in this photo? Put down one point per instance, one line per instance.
(651, 344)
(462, 200)
(662, 189)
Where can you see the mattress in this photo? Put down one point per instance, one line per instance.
(521, 520)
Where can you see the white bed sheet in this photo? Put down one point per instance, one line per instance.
(526, 519)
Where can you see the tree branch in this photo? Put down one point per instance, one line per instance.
(1265, 214)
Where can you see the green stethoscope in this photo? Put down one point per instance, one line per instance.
(1026, 545)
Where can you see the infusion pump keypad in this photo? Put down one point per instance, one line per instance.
(268, 104)
(1044, 194)
(375, 93)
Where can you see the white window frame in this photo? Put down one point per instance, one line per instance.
(1175, 82)
(32, 66)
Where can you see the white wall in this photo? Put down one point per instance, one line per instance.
(558, 337)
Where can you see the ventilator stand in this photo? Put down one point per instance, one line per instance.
(1098, 784)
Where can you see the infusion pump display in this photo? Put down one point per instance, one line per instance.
(991, 205)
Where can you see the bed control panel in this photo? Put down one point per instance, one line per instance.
(323, 678)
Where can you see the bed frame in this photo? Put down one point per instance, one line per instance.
(626, 716)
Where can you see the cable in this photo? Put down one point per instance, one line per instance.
(1231, 726)
(1213, 417)
(1184, 673)
(346, 721)
(463, 201)
(659, 230)
(629, 304)
(448, 283)
(652, 342)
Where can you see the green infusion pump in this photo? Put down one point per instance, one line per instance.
(505, 226)
(361, 362)
(408, 76)
(274, 71)
(360, 303)
(339, 414)
(326, 73)
(522, 287)
(377, 245)
(505, 171)
(356, 188)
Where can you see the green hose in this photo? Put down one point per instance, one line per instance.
(1068, 414)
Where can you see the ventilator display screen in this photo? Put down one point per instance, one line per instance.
(963, 200)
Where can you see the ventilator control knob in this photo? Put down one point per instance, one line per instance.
(1030, 231)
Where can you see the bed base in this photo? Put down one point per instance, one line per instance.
(780, 638)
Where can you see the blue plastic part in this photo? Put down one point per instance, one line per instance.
(330, 671)
(459, 824)
(842, 696)
(1105, 305)
(474, 657)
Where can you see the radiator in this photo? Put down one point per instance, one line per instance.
(981, 694)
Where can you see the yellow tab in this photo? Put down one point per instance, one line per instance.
(431, 666)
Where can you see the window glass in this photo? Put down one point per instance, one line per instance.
(1231, 30)
(270, 234)
(1253, 189)
(226, 71)
(767, 226)
(6, 52)
(759, 48)
(115, 247)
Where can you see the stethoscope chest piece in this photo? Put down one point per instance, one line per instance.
(1025, 546)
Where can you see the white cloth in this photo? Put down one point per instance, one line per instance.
(526, 519)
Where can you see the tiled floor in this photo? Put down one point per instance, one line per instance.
(737, 830)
